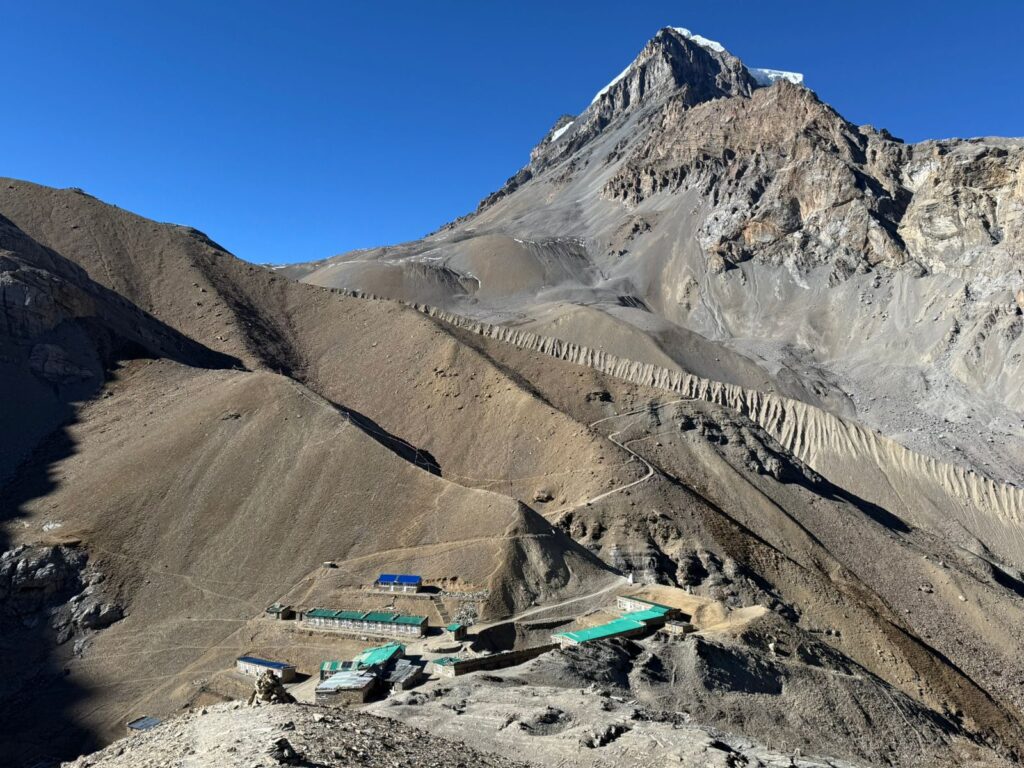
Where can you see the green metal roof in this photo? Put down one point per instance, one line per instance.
(454, 626)
(611, 629)
(331, 666)
(380, 617)
(447, 661)
(379, 655)
(349, 615)
(320, 613)
(665, 608)
(651, 614)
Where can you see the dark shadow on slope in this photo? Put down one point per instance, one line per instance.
(402, 448)
(37, 696)
(1005, 580)
(61, 334)
(880, 515)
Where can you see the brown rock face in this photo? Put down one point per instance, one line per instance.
(744, 231)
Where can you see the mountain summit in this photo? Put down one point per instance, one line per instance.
(723, 220)
(675, 63)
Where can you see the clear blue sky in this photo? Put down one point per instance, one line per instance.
(289, 131)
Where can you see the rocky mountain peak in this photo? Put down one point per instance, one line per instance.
(675, 64)
(675, 60)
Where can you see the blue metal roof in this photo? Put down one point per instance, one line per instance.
(143, 723)
(399, 578)
(264, 662)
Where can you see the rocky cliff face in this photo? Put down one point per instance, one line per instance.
(731, 223)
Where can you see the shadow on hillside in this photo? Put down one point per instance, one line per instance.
(38, 699)
(401, 448)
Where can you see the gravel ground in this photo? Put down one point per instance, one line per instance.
(228, 735)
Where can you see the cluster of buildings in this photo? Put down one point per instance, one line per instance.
(380, 623)
(373, 670)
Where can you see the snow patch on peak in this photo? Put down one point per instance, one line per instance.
(703, 42)
(769, 76)
(608, 87)
(558, 134)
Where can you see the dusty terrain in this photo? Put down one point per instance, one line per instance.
(693, 218)
(234, 735)
(670, 389)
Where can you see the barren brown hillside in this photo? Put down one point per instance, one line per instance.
(312, 426)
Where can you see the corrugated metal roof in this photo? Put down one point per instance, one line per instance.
(454, 626)
(380, 617)
(347, 680)
(349, 615)
(264, 662)
(379, 655)
(651, 614)
(611, 629)
(143, 723)
(447, 661)
(399, 578)
(320, 613)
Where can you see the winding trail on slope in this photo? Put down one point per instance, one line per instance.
(560, 513)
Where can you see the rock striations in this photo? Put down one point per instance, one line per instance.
(735, 225)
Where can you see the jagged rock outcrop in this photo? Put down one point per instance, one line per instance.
(53, 584)
(729, 221)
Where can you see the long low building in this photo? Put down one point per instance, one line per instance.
(367, 622)
(616, 628)
(255, 666)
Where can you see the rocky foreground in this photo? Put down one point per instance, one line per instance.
(235, 735)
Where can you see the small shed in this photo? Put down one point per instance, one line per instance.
(398, 582)
(280, 612)
(255, 666)
(142, 724)
(678, 628)
(345, 688)
(457, 630)
(405, 675)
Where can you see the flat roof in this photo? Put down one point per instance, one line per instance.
(453, 626)
(651, 614)
(264, 662)
(377, 617)
(399, 578)
(143, 723)
(349, 615)
(447, 661)
(611, 629)
(349, 680)
(381, 617)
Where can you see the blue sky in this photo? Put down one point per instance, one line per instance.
(290, 131)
